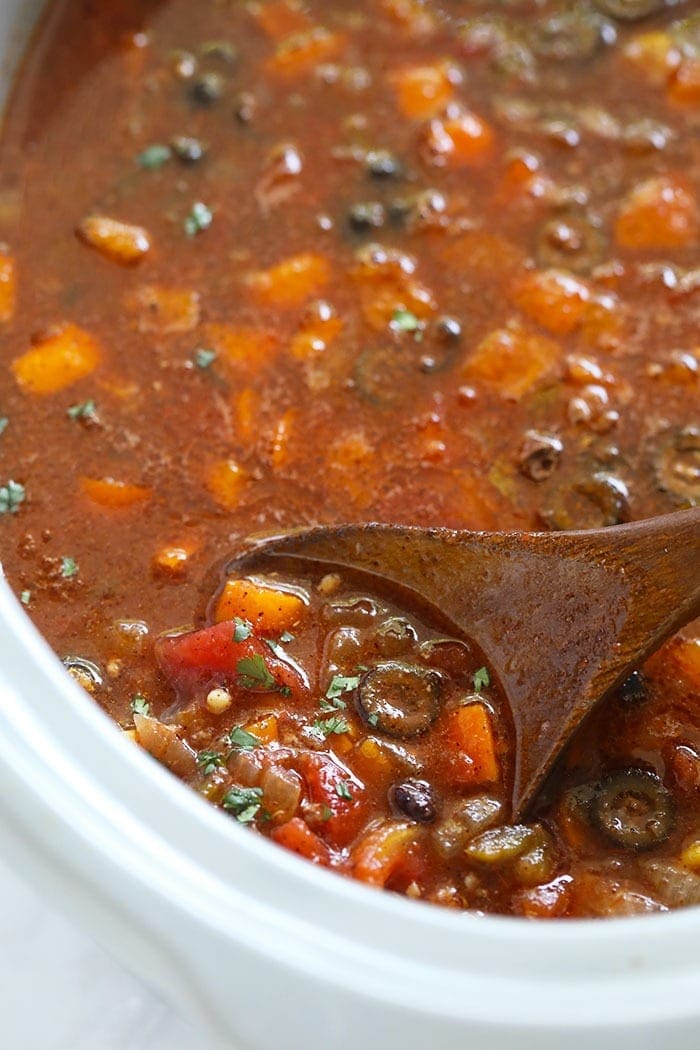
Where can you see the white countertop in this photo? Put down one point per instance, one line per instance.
(62, 992)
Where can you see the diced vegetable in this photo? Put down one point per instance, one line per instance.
(280, 18)
(298, 54)
(378, 854)
(173, 558)
(315, 335)
(8, 286)
(297, 836)
(513, 361)
(164, 310)
(113, 493)
(162, 741)
(291, 281)
(269, 609)
(265, 729)
(470, 746)
(659, 213)
(461, 141)
(59, 358)
(555, 299)
(338, 792)
(119, 241)
(241, 344)
(424, 91)
(387, 285)
(226, 481)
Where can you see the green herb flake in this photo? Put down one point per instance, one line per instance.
(69, 568)
(242, 740)
(140, 705)
(373, 719)
(253, 673)
(25, 597)
(3, 424)
(208, 761)
(332, 705)
(243, 803)
(154, 157)
(405, 321)
(204, 357)
(83, 410)
(12, 495)
(341, 684)
(342, 790)
(243, 629)
(326, 813)
(481, 679)
(328, 726)
(200, 218)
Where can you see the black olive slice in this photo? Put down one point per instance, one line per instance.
(633, 809)
(677, 465)
(592, 502)
(399, 699)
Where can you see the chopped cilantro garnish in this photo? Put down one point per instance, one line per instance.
(481, 679)
(326, 813)
(242, 630)
(83, 410)
(286, 637)
(69, 568)
(332, 705)
(154, 157)
(373, 719)
(3, 423)
(341, 684)
(342, 790)
(204, 357)
(331, 725)
(241, 739)
(25, 597)
(140, 705)
(11, 496)
(208, 761)
(405, 321)
(253, 673)
(200, 218)
(243, 803)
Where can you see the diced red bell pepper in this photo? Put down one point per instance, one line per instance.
(196, 656)
(329, 784)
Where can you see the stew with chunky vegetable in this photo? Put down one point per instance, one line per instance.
(295, 262)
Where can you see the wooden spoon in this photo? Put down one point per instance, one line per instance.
(562, 617)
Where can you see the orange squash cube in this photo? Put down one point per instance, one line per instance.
(119, 241)
(291, 281)
(114, 494)
(470, 746)
(265, 729)
(269, 609)
(8, 286)
(241, 344)
(424, 91)
(513, 361)
(60, 358)
(164, 310)
(303, 51)
(314, 336)
(659, 213)
(462, 141)
(225, 483)
(555, 299)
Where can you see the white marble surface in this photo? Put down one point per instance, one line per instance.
(62, 992)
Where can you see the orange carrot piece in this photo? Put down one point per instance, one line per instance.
(60, 358)
(225, 482)
(119, 241)
(512, 361)
(299, 53)
(556, 300)
(269, 609)
(424, 91)
(265, 729)
(281, 18)
(314, 336)
(659, 213)
(462, 141)
(8, 286)
(244, 344)
(386, 284)
(684, 82)
(378, 853)
(164, 310)
(471, 743)
(297, 836)
(291, 281)
(114, 494)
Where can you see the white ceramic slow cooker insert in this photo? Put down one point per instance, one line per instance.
(266, 950)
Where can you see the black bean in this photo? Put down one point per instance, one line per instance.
(570, 242)
(634, 689)
(414, 799)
